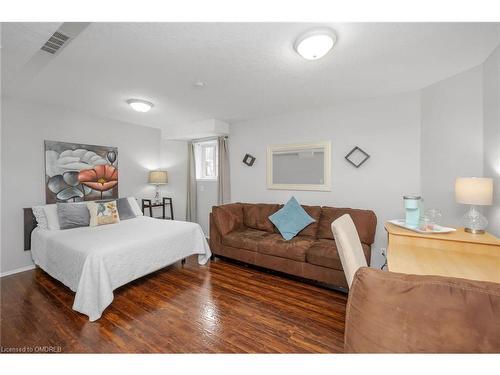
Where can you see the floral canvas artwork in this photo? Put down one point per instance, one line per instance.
(77, 172)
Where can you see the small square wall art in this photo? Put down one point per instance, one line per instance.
(76, 172)
(357, 157)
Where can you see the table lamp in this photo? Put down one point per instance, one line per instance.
(474, 191)
(157, 178)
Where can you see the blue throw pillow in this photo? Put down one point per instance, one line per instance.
(291, 219)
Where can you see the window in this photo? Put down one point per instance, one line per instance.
(206, 160)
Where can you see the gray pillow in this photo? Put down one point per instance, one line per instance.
(124, 210)
(73, 215)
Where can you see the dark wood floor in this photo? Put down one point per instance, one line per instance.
(222, 307)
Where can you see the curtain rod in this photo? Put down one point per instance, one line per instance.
(208, 138)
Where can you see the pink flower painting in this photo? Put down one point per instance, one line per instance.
(101, 178)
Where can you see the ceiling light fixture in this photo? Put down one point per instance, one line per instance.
(140, 105)
(314, 44)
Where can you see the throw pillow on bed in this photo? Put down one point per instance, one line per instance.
(135, 206)
(102, 213)
(125, 212)
(125, 209)
(72, 215)
(41, 218)
(291, 219)
(50, 211)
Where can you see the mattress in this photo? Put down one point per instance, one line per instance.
(94, 261)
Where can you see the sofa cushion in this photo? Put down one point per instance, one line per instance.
(256, 216)
(228, 217)
(291, 219)
(364, 220)
(246, 238)
(294, 249)
(312, 229)
(324, 253)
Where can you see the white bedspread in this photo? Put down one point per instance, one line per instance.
(94, 261)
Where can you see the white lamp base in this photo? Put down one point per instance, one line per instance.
(157, 199)
(474, 221)
(474, 231)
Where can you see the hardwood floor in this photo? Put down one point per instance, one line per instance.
(219, 308)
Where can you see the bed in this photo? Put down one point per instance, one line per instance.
(94, 261)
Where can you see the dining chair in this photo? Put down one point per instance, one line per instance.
(348, 246)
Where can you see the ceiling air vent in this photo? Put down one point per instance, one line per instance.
(55, 42)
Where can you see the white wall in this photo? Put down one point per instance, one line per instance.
(452, 140)
(24, 128)
(387, 128)
(207, 198)
(174, 159)
(491, 94)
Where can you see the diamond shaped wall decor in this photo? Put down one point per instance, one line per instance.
(249, 160)
(357, 157)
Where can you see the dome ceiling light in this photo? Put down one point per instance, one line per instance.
(140, 105)
(314, 44)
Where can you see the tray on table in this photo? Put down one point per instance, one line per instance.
(436, 228)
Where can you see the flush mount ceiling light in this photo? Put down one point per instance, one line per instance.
(140, 105)
(315, 44)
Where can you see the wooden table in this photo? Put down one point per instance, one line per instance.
(456, 254)
(148, 203)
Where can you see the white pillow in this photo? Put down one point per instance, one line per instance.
(51, 215)
(40, 217)
(135, 206)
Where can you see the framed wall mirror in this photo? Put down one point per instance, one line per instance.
(305, 166)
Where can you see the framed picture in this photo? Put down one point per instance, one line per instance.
(77, 172)
(248, 160)
(305, 166)
(357, 157)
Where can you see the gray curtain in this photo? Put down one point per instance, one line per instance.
(224, 187)
(192, 201)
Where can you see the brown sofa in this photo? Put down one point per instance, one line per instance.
(396, 313)
(243, 231)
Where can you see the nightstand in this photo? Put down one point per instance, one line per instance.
(148, 204)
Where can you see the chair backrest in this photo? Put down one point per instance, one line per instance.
(348, 246)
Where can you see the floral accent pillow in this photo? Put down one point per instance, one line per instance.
(102, 213)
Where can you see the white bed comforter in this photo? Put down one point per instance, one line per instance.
(93, 261)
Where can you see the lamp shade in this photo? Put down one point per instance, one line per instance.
(474, 190)
(158, 177)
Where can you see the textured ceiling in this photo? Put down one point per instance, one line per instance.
(250, 69)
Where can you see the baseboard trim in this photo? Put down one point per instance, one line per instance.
(17, 270)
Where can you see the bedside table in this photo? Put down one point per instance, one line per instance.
(456, 254)
(148, 204)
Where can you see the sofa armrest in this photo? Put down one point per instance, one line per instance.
(390, 312)
(228, 217)
(215, 238)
